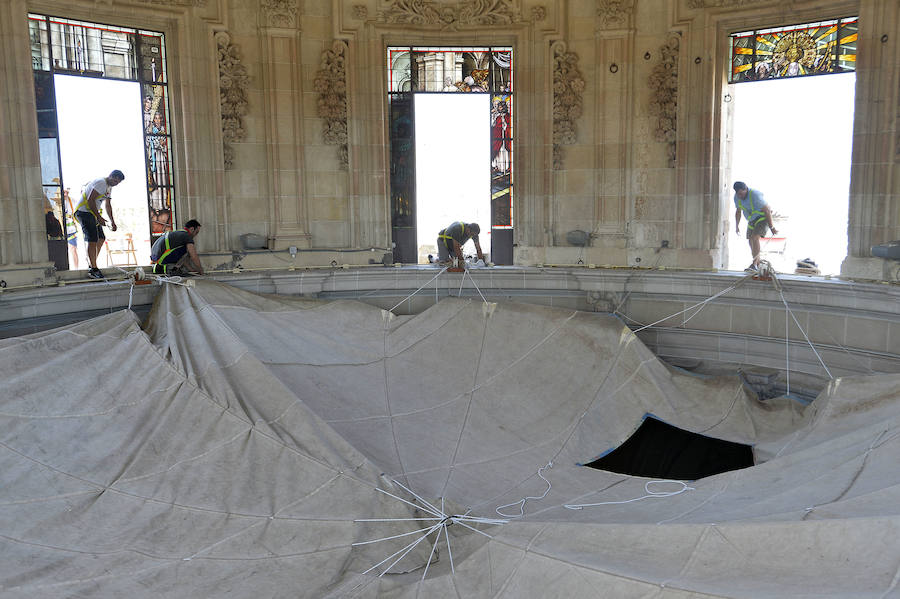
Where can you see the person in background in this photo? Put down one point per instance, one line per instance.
(451, 240)
(71, 230)
(90, 214)
(173, 252)
(753, 206)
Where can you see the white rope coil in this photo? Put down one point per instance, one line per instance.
(521, 502)
(647, 488)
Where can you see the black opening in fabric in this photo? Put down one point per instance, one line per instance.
(660, 450)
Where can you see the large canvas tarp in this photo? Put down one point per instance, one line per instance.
(241, 445)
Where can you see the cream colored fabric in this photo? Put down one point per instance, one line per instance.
(230, 447)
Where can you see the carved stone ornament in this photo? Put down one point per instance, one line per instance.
(717, 3)
(331, 84)
(360, 11)
(451, 16)
(233, 81)
(663, 82)
(614, 13)
(538, 13)
(568, 95)
(279, 13)
(176, 2)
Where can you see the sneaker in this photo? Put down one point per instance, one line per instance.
(95, 273)
(752, 268)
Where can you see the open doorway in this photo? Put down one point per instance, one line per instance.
(451, 147)
(452, 166)
(792, 141)
(792, 130)
(101, 129)
(101, 97)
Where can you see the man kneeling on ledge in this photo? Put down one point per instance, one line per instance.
(173, 252)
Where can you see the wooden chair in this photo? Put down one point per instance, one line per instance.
(126, 248)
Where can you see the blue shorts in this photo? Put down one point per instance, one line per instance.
(93, 231)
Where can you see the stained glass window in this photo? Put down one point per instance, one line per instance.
(420, 69)
(820, 48)
(157, 132)
(501, 161)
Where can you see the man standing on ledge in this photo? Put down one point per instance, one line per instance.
(173, 252)
(90, 215)
(451, 240)
(750, 202)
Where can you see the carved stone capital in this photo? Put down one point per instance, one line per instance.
(360, 11)
(199, 3)
(453, 16)
(568, 98)
(614, 14)
(719, 3)
(233, 81)
(663, 82)
(279, 13)
(331, 84)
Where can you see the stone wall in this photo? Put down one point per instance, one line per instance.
(621, 126)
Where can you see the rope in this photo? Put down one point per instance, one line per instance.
(650, 493)
(701, 304)
(443, 520)
(471, 278)
(813, 347)
(521, 502)
(440, 272)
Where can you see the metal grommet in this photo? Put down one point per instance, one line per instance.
(613, 68)
(646, 56)
(697, 60)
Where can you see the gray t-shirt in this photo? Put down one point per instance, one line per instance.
(177, 242)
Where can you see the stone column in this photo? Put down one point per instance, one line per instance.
(23, 238)
(282, 92)
(875, 164)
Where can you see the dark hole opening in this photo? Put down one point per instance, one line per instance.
(660, 450)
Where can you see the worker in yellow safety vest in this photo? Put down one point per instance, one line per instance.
(89, 213)
(751, 204)
(173, 252)
(451, 240)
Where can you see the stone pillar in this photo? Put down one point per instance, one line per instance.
(23, 238)
(875, 164)
(282, 90)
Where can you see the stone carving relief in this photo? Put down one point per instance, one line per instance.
(568, 96)
(716, 3)
(614, 13)
(177, 2)
(331, 84)
(451, 16)
(663, 82)
(233, 80)
(279, 13)
(360, 11)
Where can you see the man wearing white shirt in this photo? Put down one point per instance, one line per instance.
(90, 214)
